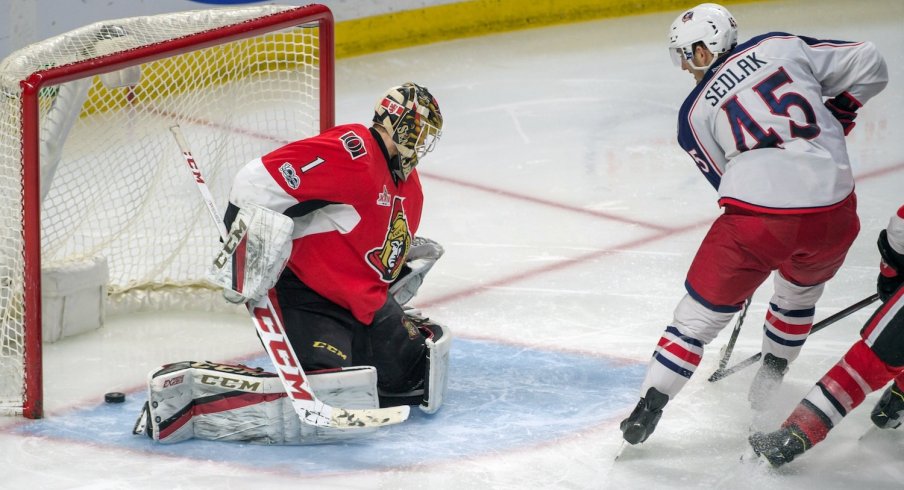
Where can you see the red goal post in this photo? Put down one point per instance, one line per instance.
(90, 178)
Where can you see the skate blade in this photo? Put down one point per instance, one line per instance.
(750, 457)
(621, 449)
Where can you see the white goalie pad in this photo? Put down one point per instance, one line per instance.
(110, 40)
(423, 254)
(254, 255)
(439, 343)
(222, 402)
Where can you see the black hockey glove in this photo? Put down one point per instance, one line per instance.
(844, 108)
(891, 269)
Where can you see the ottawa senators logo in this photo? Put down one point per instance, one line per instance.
(389, 258)
(354, 145)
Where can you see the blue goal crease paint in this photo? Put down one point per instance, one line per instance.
(501, 398)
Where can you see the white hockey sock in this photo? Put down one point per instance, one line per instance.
(790, 318)
(674, 361)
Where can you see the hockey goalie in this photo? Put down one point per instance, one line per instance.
(325, 228)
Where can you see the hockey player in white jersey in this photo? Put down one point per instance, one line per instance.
(765, 124)
(874, 360)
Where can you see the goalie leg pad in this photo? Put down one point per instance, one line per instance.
(439, 343)
(254, 254)
(235, 403)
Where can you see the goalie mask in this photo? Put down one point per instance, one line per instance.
(708, 23)
(411, 115)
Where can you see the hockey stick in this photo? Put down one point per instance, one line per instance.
(721, 373)
(727, 350)
(269, 327)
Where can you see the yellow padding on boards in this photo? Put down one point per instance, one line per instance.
(479, 17)
(360, 36)
(210, 67)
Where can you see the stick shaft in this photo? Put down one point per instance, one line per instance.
(863, 303)
(734, 336)
(199, 180)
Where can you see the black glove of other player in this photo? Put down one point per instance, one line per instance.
(891, 269)
(844, 108)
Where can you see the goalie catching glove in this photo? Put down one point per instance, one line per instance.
(423, 254)
(254, 255)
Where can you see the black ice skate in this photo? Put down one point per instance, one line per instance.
(642, 421)
(781, 446)
(767, 380)
(889, 411)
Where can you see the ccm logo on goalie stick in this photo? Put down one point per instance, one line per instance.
(194, 167)
(274, 341)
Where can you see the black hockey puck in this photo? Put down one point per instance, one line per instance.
(115, 397)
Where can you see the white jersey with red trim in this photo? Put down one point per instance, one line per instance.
(757, 127)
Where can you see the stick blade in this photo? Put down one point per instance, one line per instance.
(349, 418)
(722, 373)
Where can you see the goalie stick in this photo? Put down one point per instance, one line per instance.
(863, 303)
(269, 327)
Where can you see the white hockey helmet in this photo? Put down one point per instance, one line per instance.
(411, 115)
(709, 23)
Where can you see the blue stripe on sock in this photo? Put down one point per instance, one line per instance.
(690, 340)
(671, 365)
(778, 340)
(793, 313)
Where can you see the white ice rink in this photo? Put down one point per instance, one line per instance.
(569, 216)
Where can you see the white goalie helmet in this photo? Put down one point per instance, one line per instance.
(709, 23)
(411, 115)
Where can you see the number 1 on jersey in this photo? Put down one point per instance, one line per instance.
(309, 166)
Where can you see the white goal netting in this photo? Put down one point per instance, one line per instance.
(113, 183)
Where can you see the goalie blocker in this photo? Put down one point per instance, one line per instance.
(223, 402)
(254, 253)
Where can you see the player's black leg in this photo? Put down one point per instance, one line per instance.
(395, 346)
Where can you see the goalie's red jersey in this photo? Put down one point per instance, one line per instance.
(353, 223)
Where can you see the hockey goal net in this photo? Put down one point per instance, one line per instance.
(90, 173)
